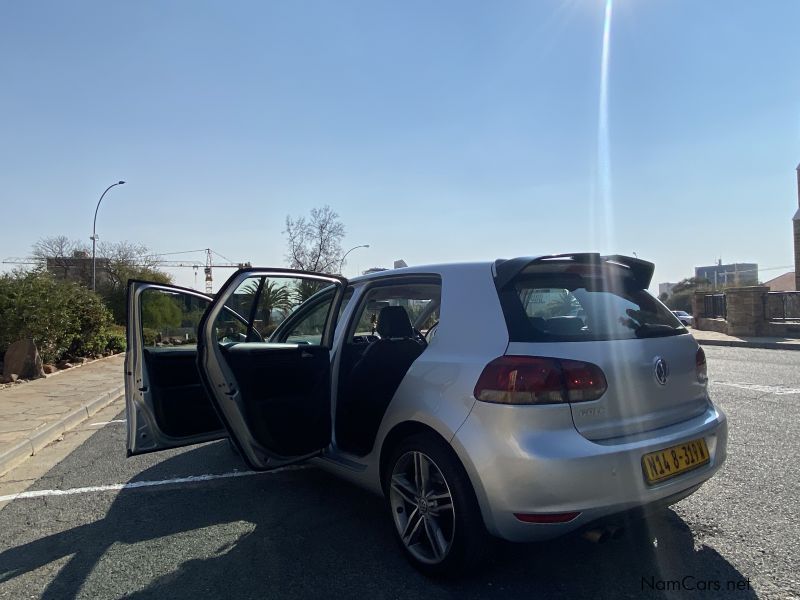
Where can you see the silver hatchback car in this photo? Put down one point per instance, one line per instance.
(521, 398)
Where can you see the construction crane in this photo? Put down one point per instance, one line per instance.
(207, 267)
(16, 260)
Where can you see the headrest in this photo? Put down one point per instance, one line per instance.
(393, 322)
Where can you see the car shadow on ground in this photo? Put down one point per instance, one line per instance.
(305, 534)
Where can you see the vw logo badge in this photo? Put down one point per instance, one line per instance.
(660, 370)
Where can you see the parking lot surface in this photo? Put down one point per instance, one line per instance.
(195, 523)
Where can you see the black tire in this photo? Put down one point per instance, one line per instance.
(468, 536)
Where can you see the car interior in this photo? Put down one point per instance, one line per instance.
(383, 344)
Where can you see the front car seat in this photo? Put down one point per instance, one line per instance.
(374, 379)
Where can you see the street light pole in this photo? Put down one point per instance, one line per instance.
(94, 235)
(341, 264)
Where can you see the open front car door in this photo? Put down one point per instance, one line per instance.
(272, 397)
(165, 401)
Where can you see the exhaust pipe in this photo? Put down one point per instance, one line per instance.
(597, 536)
(601, 535)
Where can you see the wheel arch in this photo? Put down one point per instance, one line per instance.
(397, 434)
(406, 429)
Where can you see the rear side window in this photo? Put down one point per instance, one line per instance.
(588, 306)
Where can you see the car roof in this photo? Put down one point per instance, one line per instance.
(505, 270)
(442, 268)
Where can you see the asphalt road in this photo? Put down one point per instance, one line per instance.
(300, 533)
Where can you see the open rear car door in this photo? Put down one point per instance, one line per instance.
(272, 399)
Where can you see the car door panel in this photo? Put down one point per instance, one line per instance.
(287, 388)
(166, 404)
(181, 405)
(273, 398)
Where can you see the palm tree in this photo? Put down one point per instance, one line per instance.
(306, 288)
(274, 296)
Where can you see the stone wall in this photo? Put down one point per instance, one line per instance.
(718, 325)
(785, 330)
(745, 315)
(745, 308)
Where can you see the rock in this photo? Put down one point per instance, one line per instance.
(49, 369)
(63, 364)
(23, 358)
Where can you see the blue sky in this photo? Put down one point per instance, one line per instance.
(439, 131)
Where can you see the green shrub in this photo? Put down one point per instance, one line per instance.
(149, 336)
(117, 341)
(61, 317)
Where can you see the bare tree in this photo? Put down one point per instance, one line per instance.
(315, 243)
(57, 246)
(57, 249)
(124, 257)
(124, 261)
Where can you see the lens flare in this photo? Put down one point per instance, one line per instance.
(603, 150)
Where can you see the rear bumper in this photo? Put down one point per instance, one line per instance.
(532, 460)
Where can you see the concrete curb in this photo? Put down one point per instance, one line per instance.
(743, 344)
(79, 366)
(51, 432)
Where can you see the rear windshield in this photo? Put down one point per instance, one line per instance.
(583, 307)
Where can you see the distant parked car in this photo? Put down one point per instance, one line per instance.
(685, 318)
(524, 398)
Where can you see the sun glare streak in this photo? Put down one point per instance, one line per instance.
(604, 238)
(603, 150)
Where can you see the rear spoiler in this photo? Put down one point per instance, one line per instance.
(507, 270)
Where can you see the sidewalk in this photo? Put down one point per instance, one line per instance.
(36, 413)
(712, 338)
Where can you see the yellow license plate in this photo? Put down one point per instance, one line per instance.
(661, 465)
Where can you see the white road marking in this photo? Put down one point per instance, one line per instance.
(107, 422)
(140, 484)
(767, 389)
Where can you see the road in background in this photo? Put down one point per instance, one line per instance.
(300, 533)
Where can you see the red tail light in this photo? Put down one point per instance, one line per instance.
(700, 366)
(539, 380)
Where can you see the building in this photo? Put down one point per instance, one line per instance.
(665, 288)
(782, 283)
(78, 268)
(731, 275)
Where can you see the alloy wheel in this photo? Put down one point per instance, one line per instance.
(422, 506)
